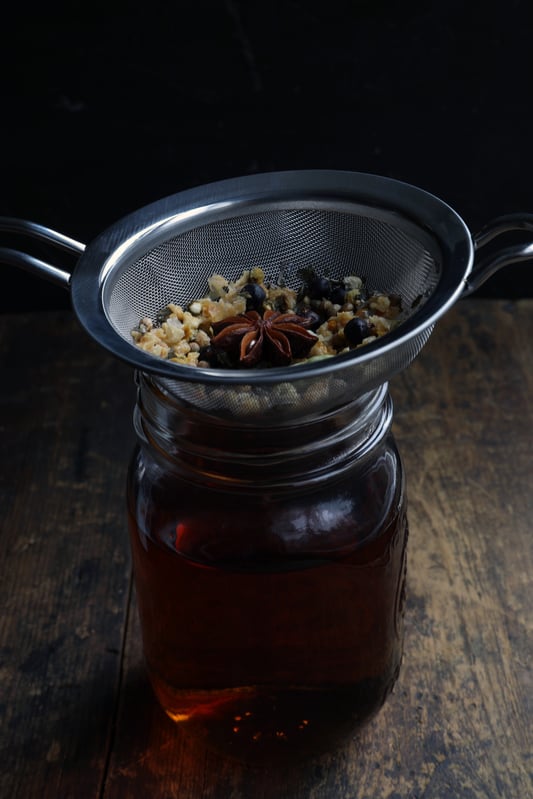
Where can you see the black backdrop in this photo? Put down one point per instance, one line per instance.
(109, 106)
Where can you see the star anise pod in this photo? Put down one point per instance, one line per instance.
(274, 338)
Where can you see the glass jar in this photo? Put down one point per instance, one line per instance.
(269, 566)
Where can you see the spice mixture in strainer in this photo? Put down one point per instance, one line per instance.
(252, 322)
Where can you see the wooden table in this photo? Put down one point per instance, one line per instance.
(78, 718)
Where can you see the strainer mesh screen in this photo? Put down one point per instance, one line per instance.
(281, 242)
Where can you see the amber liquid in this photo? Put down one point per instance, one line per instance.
(265, 644)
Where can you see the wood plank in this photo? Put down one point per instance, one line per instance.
(65, 566)
(457, 723)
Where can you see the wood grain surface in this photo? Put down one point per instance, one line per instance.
(78, 720)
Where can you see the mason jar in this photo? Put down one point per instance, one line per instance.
(269, 563)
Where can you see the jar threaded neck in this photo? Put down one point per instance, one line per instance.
(251, 453)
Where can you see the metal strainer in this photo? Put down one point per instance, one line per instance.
(401, 239)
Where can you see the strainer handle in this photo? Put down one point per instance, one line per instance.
(28, 262)
(489, 264)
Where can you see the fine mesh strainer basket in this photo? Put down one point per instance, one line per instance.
(397, 237)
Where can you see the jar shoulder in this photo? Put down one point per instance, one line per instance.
(322, 519)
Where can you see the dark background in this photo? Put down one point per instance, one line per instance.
(109, 106)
